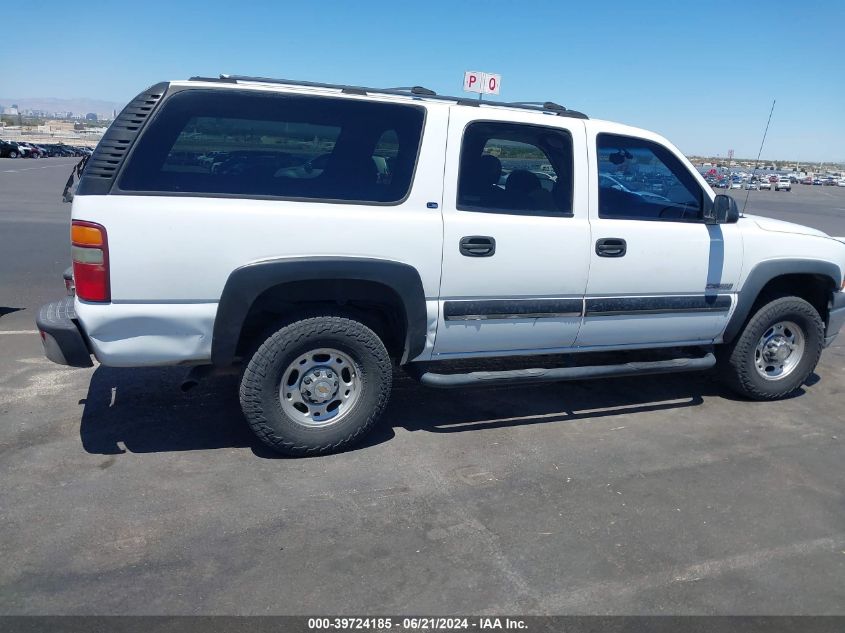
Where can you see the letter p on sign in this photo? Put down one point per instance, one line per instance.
(485, 83)
(473, 81)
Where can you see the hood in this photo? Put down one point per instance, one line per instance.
(779, 226)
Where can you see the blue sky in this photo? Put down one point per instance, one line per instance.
(702, 73)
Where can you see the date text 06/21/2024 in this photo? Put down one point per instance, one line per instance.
(416, 623)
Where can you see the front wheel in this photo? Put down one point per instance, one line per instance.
(316, 386)
(777, 350)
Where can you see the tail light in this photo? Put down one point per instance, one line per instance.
(90, 254)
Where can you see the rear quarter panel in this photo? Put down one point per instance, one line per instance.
(172, 252)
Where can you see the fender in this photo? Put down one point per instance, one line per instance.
(762, 274)
(246, 283)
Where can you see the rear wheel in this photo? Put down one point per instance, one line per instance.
(316, 386)
(777, 350)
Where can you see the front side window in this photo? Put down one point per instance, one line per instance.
(642, 180)
(235, 143)
(516, 169)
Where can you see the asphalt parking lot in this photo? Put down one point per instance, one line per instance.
(650, 495)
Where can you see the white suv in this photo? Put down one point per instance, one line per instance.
(312, 235)
(783, 183)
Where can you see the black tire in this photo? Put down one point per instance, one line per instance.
(737, 360)
(13, 154)
(260, 385)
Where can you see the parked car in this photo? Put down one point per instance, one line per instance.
(547, 180)
(59, 150)
(765, 184)
(28, 150)
(609, 182)
(829, 182)
(313, 287)
(783, 184)
(807, 181)
(66, 150)
(23, 150)
(9, 149)
(752, 185)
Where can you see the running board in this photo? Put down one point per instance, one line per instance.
(557, 374)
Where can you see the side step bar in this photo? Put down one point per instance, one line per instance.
(522, 376)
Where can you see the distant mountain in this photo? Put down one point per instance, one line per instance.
(52, 104)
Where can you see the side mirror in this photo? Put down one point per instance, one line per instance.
(722, 211)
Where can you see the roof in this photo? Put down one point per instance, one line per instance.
(414, 92)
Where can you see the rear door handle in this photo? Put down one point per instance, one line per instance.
(477, 246)
(611, 247)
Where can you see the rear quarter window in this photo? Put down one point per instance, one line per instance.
(232, 143)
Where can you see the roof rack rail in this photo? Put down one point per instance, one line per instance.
(545, 105)
(217, 79)
(550, 106)
(415, 91)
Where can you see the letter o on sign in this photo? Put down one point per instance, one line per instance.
(492, 83)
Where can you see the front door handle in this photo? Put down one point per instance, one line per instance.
(477, 246)
(611, 247)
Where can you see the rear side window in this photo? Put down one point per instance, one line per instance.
(209, 142)
(516, 169)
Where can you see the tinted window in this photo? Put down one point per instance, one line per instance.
(513, 168)
(216, 142)
(642, 180)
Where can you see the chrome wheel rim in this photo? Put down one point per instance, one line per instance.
(779, 350)
(320, 387)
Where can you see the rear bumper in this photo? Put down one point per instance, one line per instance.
(61, 336)
(836, 317)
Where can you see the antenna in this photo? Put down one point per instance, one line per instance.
(757, 162)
